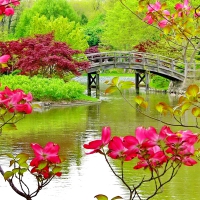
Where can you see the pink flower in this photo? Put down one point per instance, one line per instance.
(154, 161)
(181, 146)
(118, 151)
(48, 153)
(154, 137)
(189, 161)
(139, 142)
(44, 172)
(154, 7)
(96, 145)
(163, 23)
(182, 139)
(9, 11)
(189, 137)
(15, 3)
(28, 97)
(149, 19)
(4, 58)
(16, 100)
(4, 2)
(166, 12)
(24, 108)
(2, 10)
(185, 5)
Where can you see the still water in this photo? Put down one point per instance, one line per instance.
(86, 176)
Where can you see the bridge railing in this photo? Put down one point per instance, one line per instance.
(135, 57)
(143, 59)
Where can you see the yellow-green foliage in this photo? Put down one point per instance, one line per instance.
(44, 88)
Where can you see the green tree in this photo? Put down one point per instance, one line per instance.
(94, 29)
(50, 9)
(90, 8)
(178, 25)
(65, 31)
(119, 30)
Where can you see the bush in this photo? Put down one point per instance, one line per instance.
(44, 88)
(159, 82)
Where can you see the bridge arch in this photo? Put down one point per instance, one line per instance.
(142, 63)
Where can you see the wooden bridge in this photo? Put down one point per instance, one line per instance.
(142, 63)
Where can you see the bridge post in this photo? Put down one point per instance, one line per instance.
(93, 82)
(137, 82)
(139, 77)
(147, 80)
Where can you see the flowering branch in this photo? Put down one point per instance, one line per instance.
(43, 167)
(187, 102)
(162, 153)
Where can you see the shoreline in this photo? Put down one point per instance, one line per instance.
(40, 106)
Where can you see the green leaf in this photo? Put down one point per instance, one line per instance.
(196, 112)
(22, 155)
(163, 108)
(111, 89)
(139, 100)
(117, 197)
(56, 169)
(15, 170)
(12, 162)
(182, 99)
(192, 91)
(22, 171)
(42, 165)
(10, 155)
(25, 165)
(7, 175)
(4, 65)
(166, 30)
(101, 197)
(144, 104)
(3, 111)
(115, 81)
(185, 107)
(22, 158)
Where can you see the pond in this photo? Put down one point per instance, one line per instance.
(86, 176)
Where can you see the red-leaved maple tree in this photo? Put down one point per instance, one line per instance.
(42, 55)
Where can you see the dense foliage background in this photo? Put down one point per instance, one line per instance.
(83, 26)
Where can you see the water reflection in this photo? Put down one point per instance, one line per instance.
(86, 176)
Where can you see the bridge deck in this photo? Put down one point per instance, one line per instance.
(163, 66)
(141, 63)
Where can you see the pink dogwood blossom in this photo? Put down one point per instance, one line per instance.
(16, 100)
(163, 23)
(117, 150)
(184, 5)
(137, 143)
(151, 148)
(6, 2)
(149, 19)
(9, 11)
(155, 160)
(49, 153)
(154, 7)
(4, 59)
(6, 9)
(96, 145)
